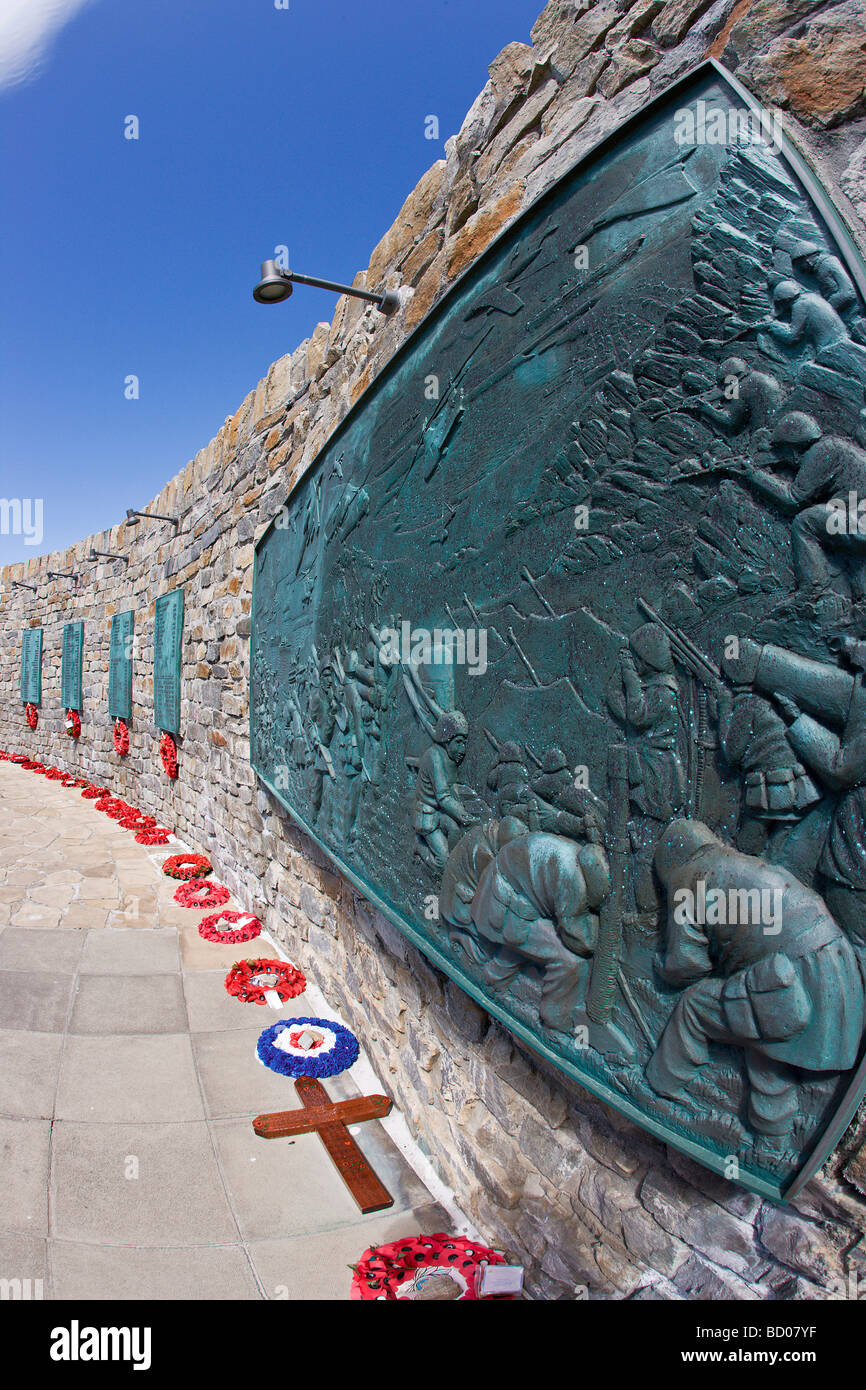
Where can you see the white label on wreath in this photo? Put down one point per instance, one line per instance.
(283, 1041)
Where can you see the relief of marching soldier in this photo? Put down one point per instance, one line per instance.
(645, 697)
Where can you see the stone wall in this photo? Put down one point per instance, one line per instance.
(569, 1186)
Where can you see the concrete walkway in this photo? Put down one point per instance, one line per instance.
(128, 1079)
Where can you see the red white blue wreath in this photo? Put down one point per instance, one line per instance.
(307, 1047)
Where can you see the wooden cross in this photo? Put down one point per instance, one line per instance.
(329, 1119)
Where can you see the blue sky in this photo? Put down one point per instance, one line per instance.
(258, 127)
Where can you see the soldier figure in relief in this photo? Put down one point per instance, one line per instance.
(777, 790)
(812, 320)
(753, 404)
(439, 812)
(538, 901)
(829, 470)
(646, 698)
(784, 986)
(833, 279)
(466, 863)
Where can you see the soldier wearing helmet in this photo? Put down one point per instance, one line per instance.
(645, 696)
(830, 470)
(752, 398)
(833, 279)
(438, 810)
(812, 319)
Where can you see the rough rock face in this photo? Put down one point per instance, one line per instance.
(819, 74)
(570, 1187)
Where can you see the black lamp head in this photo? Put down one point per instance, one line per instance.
(274, 286)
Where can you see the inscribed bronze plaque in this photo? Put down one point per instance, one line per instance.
(167, 637)
(120, 665)
(558, 649)
(72, 657)
(31, 665)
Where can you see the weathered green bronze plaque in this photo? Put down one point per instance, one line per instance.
(70, 675)
(167, 638)
(120, 665)
(31, 665)
(558, 650)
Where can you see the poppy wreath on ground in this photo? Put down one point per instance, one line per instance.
(121, 737)
(158, 835)
(73, 723)
(54, 774)
(110, 805)
(199, 892)
(307, 1047)
(187, 866)
(95, 793)
(136, 821)
(168, 753)
(245, 929)
(122, 812)
(250, 980)
(32, 715)
(32, 766)
(18, 758)
(424, 1267)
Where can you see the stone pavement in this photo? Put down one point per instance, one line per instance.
(128, 1079)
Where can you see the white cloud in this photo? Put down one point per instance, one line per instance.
(26, 30)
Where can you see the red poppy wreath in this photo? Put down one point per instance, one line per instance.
(243, 926)
(187, 866)
(168, 753)
(157, 836)
(251, 980)
(198, 892)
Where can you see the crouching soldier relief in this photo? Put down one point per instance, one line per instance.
(762, 967)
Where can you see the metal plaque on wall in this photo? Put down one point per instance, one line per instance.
(167, 639)
(31, 666)
(70, 677)
(120, 665)
(558, 649)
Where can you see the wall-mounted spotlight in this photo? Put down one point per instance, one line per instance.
(19, 584)
(276, 285)
(106, 555)
(62, 574)
(132, 517)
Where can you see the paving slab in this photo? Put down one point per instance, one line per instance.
(220, 1272)
(24, 1162)
(30, 948)
(118, 1079)
(35, 1000)
(29, 1068)
(131, 951)
(173, 1196)
(25, 1258)
(128, 1004)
